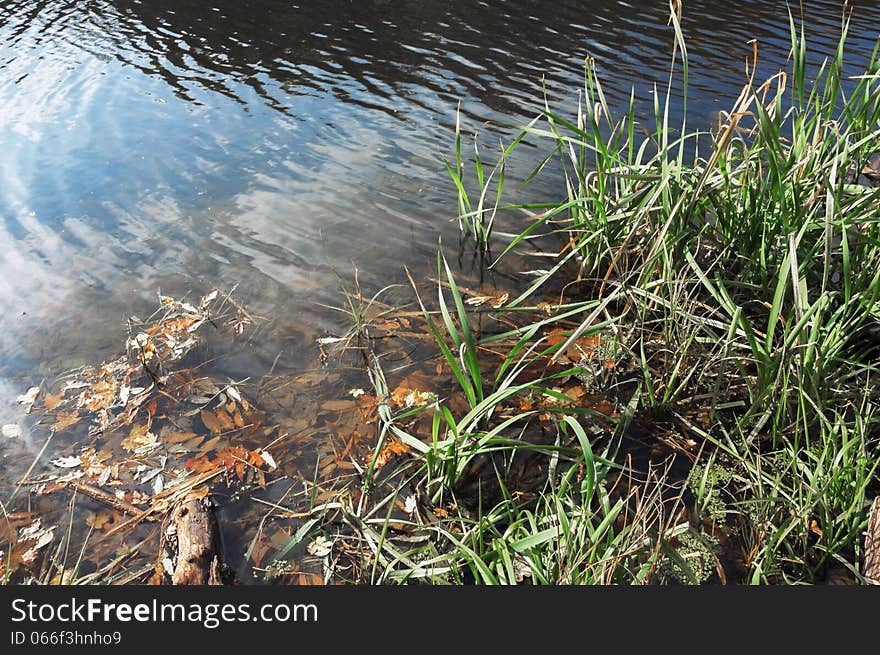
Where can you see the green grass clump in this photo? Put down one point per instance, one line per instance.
(738, 271)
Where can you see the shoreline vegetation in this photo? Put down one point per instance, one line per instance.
(699, 403)
(684, 392)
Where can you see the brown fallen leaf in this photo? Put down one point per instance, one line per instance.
(178, 437)
(405, 398)
(209, 445)
(389, 451)
(99, 520)
(337, 405)
(140, 435)
(195, 441)
(51, 401)
(225, 420)
(65, 420)
(101, 395)
(211, 421)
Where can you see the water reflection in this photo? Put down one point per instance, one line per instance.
(179, 145)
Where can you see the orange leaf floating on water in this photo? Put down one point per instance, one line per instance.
(583, 347)
(200, 464)
(101, 395)
(231, 458)
(99, 520)
(51, 401)
(65, 420)
(404, 397)
(140, 435)
(390, 450)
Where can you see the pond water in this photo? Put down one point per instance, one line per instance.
(178, 146)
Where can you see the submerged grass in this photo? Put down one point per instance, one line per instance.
(737, 272)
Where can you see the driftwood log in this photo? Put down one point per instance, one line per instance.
(871, 569)
(190, 552)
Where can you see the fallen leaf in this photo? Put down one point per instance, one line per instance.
(225, 420)
(209, 445)
(390, 450)
(67, 462)
(233, 393)
(101, 395)
(178, 437)
(498, 301)
(337, 405)
(201, 464)
(51, 401)
(39, 535)
(320, 547)
(139, 436)
(99, 520)
(211, 421)
(63, 421)
(28, 398)
(406, 398)
(208, 298)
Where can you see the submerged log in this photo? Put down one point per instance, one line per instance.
(871, 569)
(190, 552)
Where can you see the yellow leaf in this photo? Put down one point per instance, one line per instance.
(140, 435)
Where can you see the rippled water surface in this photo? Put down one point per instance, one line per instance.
(182, 145)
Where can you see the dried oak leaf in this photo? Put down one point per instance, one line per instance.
(225, 420)
(101, 395)
(99, 520)
(52, 400)
(178, 437)
(211, 421)
(390, 450)
(65, 420)
(201, 464)
(140, 435)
